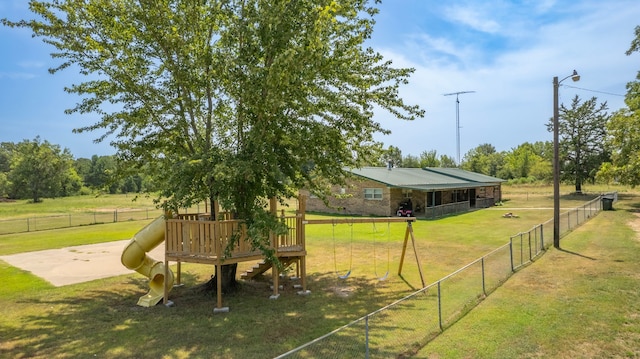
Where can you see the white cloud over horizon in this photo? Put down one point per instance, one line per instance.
(513, 81)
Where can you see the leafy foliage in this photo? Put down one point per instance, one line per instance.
(482, 159)
(582, 130)
(623, 133)
(39, 169)
(237, 101)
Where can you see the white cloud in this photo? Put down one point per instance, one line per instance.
(17, 75)
(31, 64)
(513, 99)
(438, 51)
(472, 16)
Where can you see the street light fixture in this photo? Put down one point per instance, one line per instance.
(556, 159)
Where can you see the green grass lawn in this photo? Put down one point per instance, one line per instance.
(549, 300)
(578, 302)
(76, 204)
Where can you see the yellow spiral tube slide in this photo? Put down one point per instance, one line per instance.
(134, 257)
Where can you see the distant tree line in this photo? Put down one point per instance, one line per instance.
(587, 141)
(36, 169)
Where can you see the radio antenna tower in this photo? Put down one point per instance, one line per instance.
(458, 119)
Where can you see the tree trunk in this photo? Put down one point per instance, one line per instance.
(229, 283)
(578, 187)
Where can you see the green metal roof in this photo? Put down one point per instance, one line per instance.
(465, 175)
(426, 179)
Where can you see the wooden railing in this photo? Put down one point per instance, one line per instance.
(293, 240)
(206, 241)
(225, 216)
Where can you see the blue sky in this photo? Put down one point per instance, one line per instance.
(506, 51)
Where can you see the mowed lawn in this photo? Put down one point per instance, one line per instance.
(582, 301)
(536, 313)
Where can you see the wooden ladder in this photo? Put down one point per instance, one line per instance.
(264, 266)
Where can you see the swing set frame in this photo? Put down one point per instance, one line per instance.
(198, 239)
(408, 234)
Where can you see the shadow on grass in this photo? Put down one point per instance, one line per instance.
(102, 319)
(413, 289)
(576, 254)
(632, 201)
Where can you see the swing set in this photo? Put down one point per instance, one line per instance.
(197, 238)
(388, 220)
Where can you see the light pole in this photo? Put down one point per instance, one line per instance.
(556, 159)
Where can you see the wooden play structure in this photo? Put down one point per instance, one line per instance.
(196, 238)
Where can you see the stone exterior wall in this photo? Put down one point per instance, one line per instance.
(350, 200)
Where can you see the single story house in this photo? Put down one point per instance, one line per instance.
(429, 192)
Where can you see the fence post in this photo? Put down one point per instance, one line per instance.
(366, 336)
(578, 216)
(542, 236)
(28, 225)
(511, 252)
(530, 255)
(521, 250)
(484, 290)
(535, 240)
(439, 306)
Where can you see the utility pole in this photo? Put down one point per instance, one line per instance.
(556, 158)
(458, 119)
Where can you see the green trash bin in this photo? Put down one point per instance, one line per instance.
(607, 204)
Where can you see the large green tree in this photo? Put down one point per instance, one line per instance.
(623, 133)
(429, 159)
(236, 100)
(526, 163)
(392, 157)
(6, 149)
(582, 130)
(40, 169)
(447, 161)
(483, 159)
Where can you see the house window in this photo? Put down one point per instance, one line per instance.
(373, 193)
(406, 193)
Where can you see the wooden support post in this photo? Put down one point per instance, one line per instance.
(273, 208)
(276, 282)
(219, 285)
(301, 233)
(303, 275)
(409, 232)
(413, 242)
(404, 250)
(219, 308)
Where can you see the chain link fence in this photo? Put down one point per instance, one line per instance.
(403, 327)
(41, 223)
